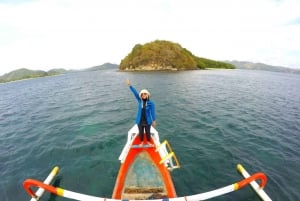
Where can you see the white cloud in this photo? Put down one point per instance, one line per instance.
(45, 34)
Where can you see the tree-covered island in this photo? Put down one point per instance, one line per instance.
(161, 55)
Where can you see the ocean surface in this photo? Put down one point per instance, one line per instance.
(213, 119)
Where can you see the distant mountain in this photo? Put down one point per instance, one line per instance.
(56, 71)
(22, 73)
(105, 66)
(260, 66)
(25, 73)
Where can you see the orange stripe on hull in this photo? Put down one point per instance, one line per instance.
(154, 159)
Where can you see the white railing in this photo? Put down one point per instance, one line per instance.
(165, 151)
(167, 155)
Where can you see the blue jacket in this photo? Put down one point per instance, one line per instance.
(150, 108)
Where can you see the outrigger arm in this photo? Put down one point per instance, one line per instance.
(28, 183)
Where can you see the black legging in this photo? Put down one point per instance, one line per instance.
(141, 132)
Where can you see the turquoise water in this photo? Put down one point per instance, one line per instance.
(213, 120)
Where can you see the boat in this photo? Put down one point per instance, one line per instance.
(144, 171)
(145, 174)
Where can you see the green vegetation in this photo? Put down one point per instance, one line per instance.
(204, 63)
(56, 71)
(166, 55)
(22, 73)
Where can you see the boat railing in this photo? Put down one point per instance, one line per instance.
(130, 137)
(132, 133)
(168, 156)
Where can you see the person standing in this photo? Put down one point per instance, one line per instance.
(145, 117)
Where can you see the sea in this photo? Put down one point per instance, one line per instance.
(213, 120)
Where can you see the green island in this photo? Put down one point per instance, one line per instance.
(162, 55)
(25, 73)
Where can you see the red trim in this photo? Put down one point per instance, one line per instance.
(254, 177)
(133, 152)
(31, 182)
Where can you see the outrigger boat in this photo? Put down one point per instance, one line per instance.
(144, 174)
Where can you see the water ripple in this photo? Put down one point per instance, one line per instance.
(212, 119)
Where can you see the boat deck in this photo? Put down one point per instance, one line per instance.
(143, 180)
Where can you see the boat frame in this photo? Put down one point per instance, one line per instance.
(165, 159)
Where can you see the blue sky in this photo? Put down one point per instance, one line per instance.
(74, 34)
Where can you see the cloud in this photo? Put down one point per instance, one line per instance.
(44, 34)
(295, 21)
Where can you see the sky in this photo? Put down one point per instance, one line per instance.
(77, 34)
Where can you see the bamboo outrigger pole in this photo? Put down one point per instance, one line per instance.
(28, 183)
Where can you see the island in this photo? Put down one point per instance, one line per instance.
(162, 55)
(24, 73)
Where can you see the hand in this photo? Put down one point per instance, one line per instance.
(154, 124)
(128, 82)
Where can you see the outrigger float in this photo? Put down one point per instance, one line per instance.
(144, 174)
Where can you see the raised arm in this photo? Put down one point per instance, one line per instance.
(134, 91)
(128, 82)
